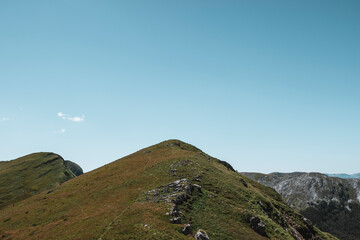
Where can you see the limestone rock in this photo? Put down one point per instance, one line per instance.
(257, 225)
(176, 220)
(201, 235)
(187, 229)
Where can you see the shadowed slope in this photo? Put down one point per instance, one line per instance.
(132, 198)
(76, 169)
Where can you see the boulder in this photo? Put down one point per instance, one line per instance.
(201, 235)
(176, 220)
(198, 178)
(257, 225)
(187, 229)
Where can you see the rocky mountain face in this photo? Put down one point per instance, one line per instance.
(76, 169)
(331, 203)
(171, 190)
(29, 175)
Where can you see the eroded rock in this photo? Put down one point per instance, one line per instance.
(176, 220)
(176, 192)
(198, 187)
(201, 235)
(187, 229)
(257, 225)
(75, 168)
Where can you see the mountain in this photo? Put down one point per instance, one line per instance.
(343, 175)
(171, 190)
(29, 175)
(332, 204)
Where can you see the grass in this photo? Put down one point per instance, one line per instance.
(107, 203)
(30, 175)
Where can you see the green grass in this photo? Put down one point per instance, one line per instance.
(30, 175)
(108, 202)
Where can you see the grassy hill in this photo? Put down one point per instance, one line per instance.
(136, 196)
(30, 175)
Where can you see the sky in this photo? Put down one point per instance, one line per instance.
(268, 86)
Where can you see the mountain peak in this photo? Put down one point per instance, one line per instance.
(175, 143)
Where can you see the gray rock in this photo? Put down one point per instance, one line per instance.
(180, 198)
(198, 187)
(74, 168)
(175, 213)
(176, 220)
(227, 165)
(244, 182)
(201, 235)
(198, 178)
(187, 229)
(49, 192)
(176, 192)
(258, 225)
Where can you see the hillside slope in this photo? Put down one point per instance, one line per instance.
(30, 175)
(332, 204)
(152, 194)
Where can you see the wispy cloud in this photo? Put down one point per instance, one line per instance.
(70, 118)
(4, 119)
(61, 131)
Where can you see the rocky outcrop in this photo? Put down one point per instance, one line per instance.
(257, 225)
(201, 235)
(187, 229)
(175, 193)
(227, 165)
(76, 169)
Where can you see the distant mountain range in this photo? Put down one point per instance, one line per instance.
(331, 203)
(171, 190)
(344, 175)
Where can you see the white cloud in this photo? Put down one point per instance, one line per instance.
(60, 114)
(4, 119)
(77, 119)
(70, 118)
(60, 131)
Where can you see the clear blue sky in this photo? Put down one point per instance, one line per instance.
(265, 85)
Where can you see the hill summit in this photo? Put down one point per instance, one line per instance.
(171, 190)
